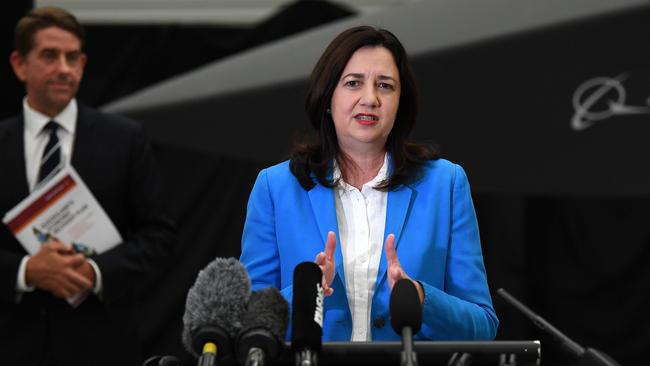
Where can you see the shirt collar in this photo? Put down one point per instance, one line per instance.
(382, 175)
(35, 120)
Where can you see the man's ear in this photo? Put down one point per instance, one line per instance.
(17, 62)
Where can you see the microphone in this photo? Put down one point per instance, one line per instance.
(307, 315)
(588, 357)
(214, 309)
(158, 360)
(264, 326)
(406, 317)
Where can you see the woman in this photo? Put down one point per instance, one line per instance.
(363, 183)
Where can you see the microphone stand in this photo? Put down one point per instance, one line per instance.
(306, 358)
(460, 359)
(255, 357)
(408, 356)
(507, 360)
(583, 357)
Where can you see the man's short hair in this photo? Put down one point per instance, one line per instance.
(41, 18)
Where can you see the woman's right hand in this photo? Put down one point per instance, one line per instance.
(325, 261)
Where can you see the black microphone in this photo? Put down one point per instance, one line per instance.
(588, 357)
(307, 313)
(406, 317)
(263, 328)
(214, 309)
(158, 360)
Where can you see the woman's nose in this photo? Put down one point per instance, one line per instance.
(370, 98)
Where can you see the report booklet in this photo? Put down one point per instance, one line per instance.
(63, 209)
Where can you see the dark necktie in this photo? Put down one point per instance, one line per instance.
(52, 153)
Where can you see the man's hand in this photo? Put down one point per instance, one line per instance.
(395, 271)
(55, 269)
(86, 270)
(327, 264)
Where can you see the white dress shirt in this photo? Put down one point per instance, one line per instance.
(35, 140)
(361, 217)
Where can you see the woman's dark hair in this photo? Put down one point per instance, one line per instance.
(315, 158)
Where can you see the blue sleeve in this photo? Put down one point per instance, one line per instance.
(463, 311)
(260, 253)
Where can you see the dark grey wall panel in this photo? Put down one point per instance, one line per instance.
(501, 108)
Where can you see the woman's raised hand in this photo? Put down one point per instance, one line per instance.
(395, 270)
(325, 261)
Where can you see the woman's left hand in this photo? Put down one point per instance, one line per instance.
(327, 264)
(395, 271)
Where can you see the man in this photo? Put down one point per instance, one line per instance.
(37, 325)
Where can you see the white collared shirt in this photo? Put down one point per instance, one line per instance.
(35, 140)
(361, 217)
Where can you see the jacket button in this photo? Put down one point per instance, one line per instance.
(379, 322)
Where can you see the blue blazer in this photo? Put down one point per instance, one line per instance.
(436, 238)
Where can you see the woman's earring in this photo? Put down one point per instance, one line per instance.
(329, 111)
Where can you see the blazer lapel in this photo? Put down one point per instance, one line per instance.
(83, 146)
(397, 210)
(322, 203)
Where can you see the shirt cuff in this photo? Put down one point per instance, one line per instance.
(98, 277)
(21, 283)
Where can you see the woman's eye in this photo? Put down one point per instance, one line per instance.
(352, 83)
(385, 86)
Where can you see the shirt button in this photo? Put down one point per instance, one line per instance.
(379, 322)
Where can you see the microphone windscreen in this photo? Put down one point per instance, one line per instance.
(264, 324)
(267, 309)
(405, 307)
(215, 304)
(307, 307)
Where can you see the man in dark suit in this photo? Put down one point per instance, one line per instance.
(37, 325)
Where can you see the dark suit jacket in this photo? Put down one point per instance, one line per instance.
(113, 158)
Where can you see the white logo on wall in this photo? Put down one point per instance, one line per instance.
(601, 98)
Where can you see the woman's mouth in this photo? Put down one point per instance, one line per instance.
(366, 119)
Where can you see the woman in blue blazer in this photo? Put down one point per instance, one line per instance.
(397, 210)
